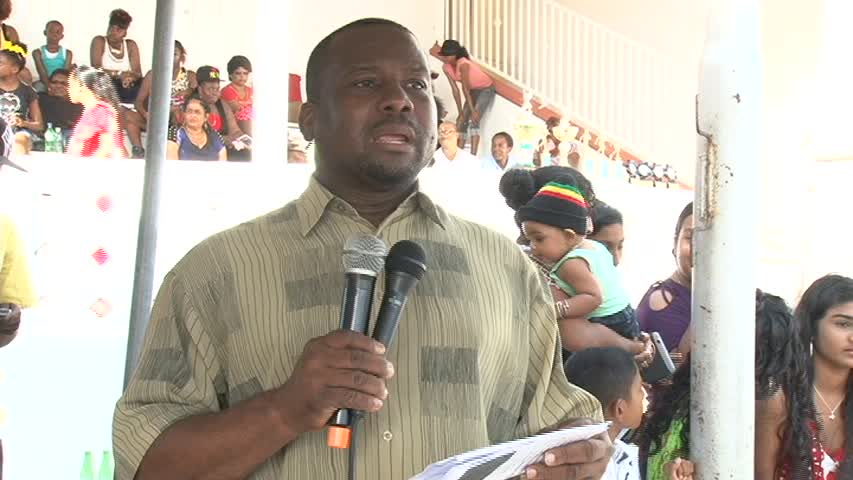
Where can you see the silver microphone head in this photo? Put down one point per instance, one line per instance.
(364, 254)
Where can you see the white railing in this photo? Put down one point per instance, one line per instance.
(602, 79)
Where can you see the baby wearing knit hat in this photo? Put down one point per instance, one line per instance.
(556, 222)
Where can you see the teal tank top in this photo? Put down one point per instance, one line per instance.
(56, 62)
(614, 296)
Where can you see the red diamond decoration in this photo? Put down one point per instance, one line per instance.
(101, 256)
(101, 308)
(104, 203)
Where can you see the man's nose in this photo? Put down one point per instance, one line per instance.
(395, 99)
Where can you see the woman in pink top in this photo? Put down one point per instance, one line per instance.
(478, 89)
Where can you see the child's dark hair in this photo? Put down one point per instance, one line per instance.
(99, 83)
(551, 123)
(506, 137)
(236, 62)
(825, 293)
(179, 47)
(58, 71)
(606, 372)
(52, 22)
(604, 216)
(120, 18)
(672, 404)
(780, 366)
(17, 52)
(518, 185)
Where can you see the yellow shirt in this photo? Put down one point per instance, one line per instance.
(476, 357)
(16, 285)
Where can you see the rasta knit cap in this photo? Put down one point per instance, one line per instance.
(559, 205)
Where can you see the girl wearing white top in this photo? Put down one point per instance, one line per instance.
(118, 56)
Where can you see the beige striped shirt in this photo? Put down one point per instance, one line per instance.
(476, 355)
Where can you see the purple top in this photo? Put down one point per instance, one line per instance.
(673, 320)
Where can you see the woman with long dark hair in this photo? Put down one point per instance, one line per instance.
(825, 320)
(98, 133)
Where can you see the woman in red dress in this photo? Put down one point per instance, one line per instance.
(98, 133)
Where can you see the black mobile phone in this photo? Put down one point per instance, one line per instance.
(661, 366)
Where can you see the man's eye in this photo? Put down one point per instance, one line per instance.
(365, 83)
(418, 84)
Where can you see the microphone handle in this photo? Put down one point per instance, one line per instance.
(355, 316)
(357, 301)
(398, 287)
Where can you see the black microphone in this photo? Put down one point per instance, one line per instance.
(364, 257)
(404, 268)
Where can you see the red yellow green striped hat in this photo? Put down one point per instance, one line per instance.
(560, 205)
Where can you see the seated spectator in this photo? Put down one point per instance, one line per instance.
(19, 104)
(118, 56)
(184, 83)
(499, 161)
(478, 89)
(449, 155)
(195, 140)
(221, 118)
(238, 94)
(57, 109)
(8, 34)
(98, 133)
(611, 375)
(52, 56)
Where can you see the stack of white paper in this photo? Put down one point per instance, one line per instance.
(506, 460)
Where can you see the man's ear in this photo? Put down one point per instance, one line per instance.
(307, 118)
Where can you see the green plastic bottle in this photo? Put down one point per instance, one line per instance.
(106, 470)
(88, 470)
(53, 139)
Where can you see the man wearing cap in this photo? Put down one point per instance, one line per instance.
(221, 117)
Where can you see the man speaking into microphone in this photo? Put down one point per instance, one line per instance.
(239, 375)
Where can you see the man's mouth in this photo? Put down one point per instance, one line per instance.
(394, 137)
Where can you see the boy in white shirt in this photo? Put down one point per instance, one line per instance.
(612, 376)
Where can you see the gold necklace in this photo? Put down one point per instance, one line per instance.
(831, 410)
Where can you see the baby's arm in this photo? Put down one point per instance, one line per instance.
(588, 295)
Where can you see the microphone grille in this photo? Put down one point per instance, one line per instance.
(407, 256)
(364, 252)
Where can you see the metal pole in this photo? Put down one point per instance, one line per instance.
(724, 280)
(155, 154)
